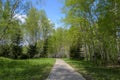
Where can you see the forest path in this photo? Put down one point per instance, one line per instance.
(63, 71)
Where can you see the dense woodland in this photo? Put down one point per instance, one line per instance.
(90, 31)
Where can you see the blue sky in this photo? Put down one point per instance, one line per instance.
(53, 10)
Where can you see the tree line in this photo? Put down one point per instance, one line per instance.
(21, 40)
(96, 24)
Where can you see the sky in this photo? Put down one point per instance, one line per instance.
(52, 9)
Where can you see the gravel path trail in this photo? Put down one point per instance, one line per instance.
(63, 71)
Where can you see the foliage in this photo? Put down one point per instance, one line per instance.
(33, 33)
(38, 31)
(5, 51)
(97, 24)
(10, 31)
(32, 50)
(58, 45)
(16, 44)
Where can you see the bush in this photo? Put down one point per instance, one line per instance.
(5, 51)
(16, 51)
(24, 56)
(76, 52)
(32, 50)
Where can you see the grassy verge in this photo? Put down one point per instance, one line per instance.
(30, 69)
(92, 72)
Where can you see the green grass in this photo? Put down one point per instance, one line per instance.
(30, 69)
(93, 72)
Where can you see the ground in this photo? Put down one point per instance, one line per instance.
(63, 71)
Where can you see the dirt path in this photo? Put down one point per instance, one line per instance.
(63, 71)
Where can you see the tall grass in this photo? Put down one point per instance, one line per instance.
(92, 72)
(30, 69)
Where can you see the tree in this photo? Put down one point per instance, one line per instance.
(9, 8)
(96, 27)
(57, 43)
(16, 44)
(8, 27)
(47, 27)
(39, 29)
(32, 30)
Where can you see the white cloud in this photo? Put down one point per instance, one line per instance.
(20, 17)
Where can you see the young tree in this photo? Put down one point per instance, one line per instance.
(16, 45)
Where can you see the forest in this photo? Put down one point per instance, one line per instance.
(91, 31)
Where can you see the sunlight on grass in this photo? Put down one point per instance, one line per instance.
(30, 69)
(93, 72)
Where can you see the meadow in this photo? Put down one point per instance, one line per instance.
(93, 72)
(29, 69)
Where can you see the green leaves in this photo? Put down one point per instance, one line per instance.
(94, 24)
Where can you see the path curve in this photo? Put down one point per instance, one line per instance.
(63, 71)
